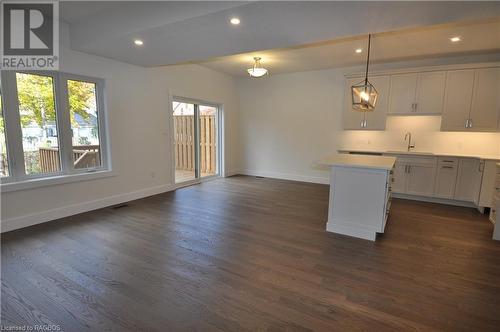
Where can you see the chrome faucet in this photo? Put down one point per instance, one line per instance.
(410, 146)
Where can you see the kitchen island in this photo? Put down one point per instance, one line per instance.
(360, 194)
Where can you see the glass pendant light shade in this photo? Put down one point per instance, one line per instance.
(364, 96)
(257, 70)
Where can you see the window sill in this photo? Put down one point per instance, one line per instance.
(54, 180)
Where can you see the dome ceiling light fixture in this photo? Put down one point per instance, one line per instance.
(364, 94)
(257, 70)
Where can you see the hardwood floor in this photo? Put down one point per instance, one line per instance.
(248, 253)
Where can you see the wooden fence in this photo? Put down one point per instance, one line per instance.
(84, 156)
(184, 143)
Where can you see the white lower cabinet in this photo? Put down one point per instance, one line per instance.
(414, 176)
(399, 177)
(421, 179)
(470, 173)
(444, 177)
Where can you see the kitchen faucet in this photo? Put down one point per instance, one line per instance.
(410, 146)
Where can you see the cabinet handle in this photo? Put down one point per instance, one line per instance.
(446, 166)
(470, 123)
(481, 166)
(467, 123)
(448, 161)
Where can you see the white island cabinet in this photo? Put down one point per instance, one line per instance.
(360, 194)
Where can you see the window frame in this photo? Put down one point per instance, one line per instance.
(13, 130)
(219, 138)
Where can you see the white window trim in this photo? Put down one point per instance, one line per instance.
(54, 180)
(17, 179)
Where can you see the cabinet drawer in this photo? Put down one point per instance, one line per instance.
(404, 159)
(448, 161)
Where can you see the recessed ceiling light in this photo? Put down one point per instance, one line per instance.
(138, 42)
(359, 50)
(455, 39)
(235, 21)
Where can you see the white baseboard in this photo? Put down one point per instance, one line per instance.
(434, 200)
(48, 215)
(287, 176)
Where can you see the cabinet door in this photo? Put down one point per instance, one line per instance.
(430, 92)
(488, 184)
(485, 111)
(457, 99)
(421, 180)
(375, 120)
(402, 96)
(469, 180)
(399, 178)
(446, 180)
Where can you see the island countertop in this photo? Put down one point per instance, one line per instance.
(360, 161)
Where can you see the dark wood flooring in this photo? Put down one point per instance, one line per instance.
(252, 254)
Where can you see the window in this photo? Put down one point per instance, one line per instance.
(53, 123)
(37, 116)
(84, 123)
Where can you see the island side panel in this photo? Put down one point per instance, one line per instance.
(357, 201)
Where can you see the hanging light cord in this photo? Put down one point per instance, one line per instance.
(368, 58)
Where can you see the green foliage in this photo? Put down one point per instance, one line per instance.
(36, 99)
(81, 98)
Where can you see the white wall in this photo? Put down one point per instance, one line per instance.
(289, 121)
(137, 100)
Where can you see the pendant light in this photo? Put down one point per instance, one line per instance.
(364, 94)
(257, 70)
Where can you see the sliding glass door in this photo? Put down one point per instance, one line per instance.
(196, 141)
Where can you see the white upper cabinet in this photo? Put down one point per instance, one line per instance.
(417, 93)
(485, 111)
(353, 120)
(457, 100)
(430, 92)
(403, 89)
(472, 100)
(467, 99)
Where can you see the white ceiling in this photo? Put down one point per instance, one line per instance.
(177, 32)
(412, 44)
